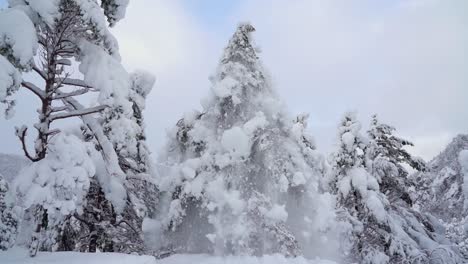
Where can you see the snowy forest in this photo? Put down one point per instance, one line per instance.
(240, 180)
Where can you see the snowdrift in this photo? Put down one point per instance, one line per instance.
(20, 256)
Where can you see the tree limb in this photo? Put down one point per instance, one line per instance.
(74, 93)
(33, 88)
(40, 72)
(21, 134)
(81, 112)
(75, 82)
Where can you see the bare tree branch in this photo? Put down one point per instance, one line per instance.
(21, 134)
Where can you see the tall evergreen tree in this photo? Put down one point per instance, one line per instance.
(239, 173)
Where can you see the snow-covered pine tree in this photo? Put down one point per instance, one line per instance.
(384, 227)
(142, 188)
(239, 173)
(62, 33)
(359, 199)
(127, 133)
(124, 126)
(9, 219)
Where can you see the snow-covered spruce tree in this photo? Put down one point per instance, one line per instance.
(9, 219)
(359, 199)
(240, 174)
(123, 125)
(62, 32)
(142, 188)
(127, 133)
(384, 227)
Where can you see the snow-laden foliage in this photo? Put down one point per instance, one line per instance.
(60, 182)
(387, 155)
(114, 10)
(9, 216)
(18, 40)
(241, 177)
(18, 45)
(53, 189)
(374, 197)
(10, 81)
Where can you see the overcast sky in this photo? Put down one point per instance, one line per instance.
(404, 60)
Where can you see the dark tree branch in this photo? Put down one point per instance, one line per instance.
(40, 72)
(33, 88)
(21, 134)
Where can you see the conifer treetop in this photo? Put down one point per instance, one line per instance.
(239, 48)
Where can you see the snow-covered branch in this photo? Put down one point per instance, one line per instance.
(33, 88)
(75, 82)
(70, 94)
(40, 72)
(81, 112)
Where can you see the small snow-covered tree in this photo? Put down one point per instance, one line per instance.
(239, 173)
(9, 219)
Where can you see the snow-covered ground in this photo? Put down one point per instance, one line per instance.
(20, 256)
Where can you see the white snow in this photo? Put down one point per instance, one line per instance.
(20, 256)
(92, 13)
(359, 180)
(59, 182)
(48, 10)
(224, 87)
(106, 74)
(258, 122)
(348, 139)
(17, 33)
(277, 213)
(236, 142)
(10, 80)
(375, 206)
